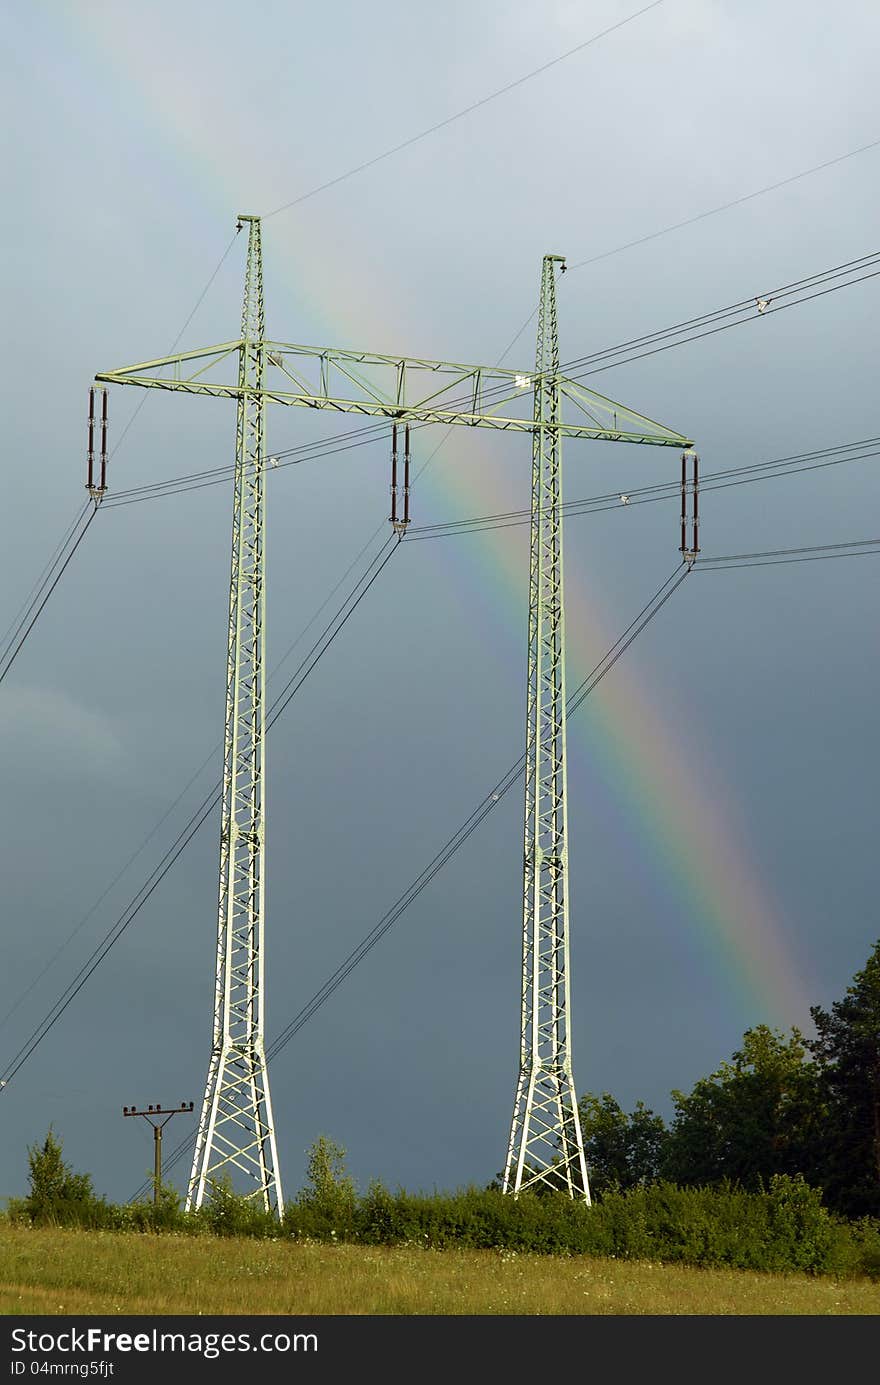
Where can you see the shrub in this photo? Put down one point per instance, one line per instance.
(801, 1231)
(227, 1213)
(57, 1195)
(325, 1209)
(782, 1228)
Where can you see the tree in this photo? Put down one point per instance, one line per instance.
(622, 1151)
(56, 1192)
(330, 1193)
(756, 1116)
(847, 1049)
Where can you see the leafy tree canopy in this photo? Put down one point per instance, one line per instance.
(622, 1151)
(847, 1050)
(752, 1118)
(54, 1187)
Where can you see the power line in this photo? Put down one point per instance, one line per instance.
(457, 840)
(778, 562)
(638, 496)
(37, 606)
(618, 249)
(775, 552)
(90, 913)
(209, 802)
(184, 791)
(157, 490)
(853, 548)
(701, 216)
(781, 468)
(845, 268)
(343, 615)
(726, 206)
(602, 359)
(459, 115)
(19, 619)
(50, 1019)
(14, 641)
(725, 327)
(711, 322)
(198, 303)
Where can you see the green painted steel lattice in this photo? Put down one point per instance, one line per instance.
(236, 1134)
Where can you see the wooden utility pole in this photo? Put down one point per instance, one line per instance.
(153, 1114)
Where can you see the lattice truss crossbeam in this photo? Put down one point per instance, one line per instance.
(398, 387)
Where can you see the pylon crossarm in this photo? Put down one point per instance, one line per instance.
(211, 355)
(412, 412)
(338, 357)
(370, 391)
(400, 388)
(591, 403)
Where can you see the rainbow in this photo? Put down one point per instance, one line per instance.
(733, 926)
(674, 809)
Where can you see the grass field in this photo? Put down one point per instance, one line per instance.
(58, 1272)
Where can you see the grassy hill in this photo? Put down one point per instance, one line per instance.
(57, 1272)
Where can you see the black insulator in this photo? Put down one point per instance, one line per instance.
(91, 451)
(695, 547)
(104, 443)
(394, 473)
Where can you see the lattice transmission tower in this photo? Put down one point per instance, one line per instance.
(236, 1132)
(236, 1126)
(546, 1143)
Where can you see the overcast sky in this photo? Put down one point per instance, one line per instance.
(722, 780)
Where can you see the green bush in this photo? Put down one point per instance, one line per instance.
(801, 1230)
(57, 1195)
(783, 1228)
(227, 1213)
(855, 1248)
(325, 1209)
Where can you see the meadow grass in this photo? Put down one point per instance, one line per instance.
(59, 1272)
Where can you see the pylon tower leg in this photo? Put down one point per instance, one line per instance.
(546, 1143)
(236, 1134)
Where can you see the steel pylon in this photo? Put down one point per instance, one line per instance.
(546, 1144)
(236, 1134)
